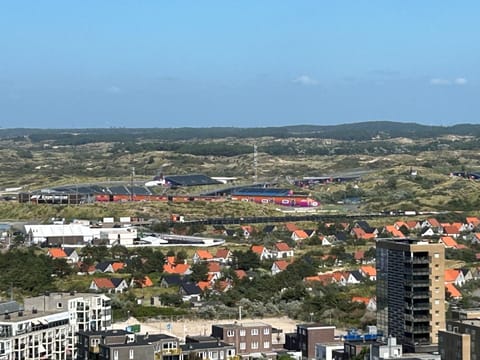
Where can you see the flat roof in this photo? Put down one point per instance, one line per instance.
(191, 180)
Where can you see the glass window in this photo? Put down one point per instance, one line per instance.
(254, 332)
(131, 354)
(243, 346)
(230, 333)
(266, 344)
(266, 331)
(255, 345)
(242, 332)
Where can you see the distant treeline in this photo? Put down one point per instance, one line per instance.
(358, 132)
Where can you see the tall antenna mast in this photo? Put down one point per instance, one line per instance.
(255, 178)
(131, 184)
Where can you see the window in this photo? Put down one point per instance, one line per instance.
(254, 332)
(243, 346)
(131, 354)
(230, 333)
(437, 302)
(59, 305)
(243, 332)
(255, 345)
(115, 354)
(436, 255)
(266, 331)
(266, 344)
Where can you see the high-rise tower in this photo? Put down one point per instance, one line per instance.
(411, 292)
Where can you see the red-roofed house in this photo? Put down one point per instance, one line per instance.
(115, 285)
(261, 251)
(57, 253)
(117, 266)
(299, 235)
(223, 255)
(340, 277)
(203, 285)
(359, 233)
(180, 269)
(473, 222)
(370, 303)
(448, 242)
(279, 266)
(241, 274)
(434, 224)
(201, 255)
(453, 291)
(142, 283)
(282, 250)
(324, 279)
(451, 230)
(247, 231)
(454, 276)
(369, 272)
(215, 269)
(291, 227)
(359, 256)
(393, 231)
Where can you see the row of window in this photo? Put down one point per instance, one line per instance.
(243, 332)
(254, 345)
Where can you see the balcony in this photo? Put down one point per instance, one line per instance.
(417, 260)
(419, 306)
(176, 351)
(417, 294)
(417, 329)
(417, 318)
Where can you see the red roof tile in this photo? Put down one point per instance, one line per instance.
(57, 253)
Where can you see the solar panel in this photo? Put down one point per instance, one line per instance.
(191, 180)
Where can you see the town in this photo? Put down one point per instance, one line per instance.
(399, 288)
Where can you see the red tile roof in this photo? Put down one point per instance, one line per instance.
(281, 246)
(453, 291)
(451, 275)
(104, 283)
(368, 270)
(449, 242)
(359, 255)
(57, 253)
(434, 222)
(300, 234)
(222, 254)
(325, 279)
(214, 267)
(451, 230)
(361, 299)
(281, 264)
(176, 268)
(257, 249)
(291, 227)
(394, 231)
(240, 274)
(204, 254)
(116, 266)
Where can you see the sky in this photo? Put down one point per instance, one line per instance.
(248, 63)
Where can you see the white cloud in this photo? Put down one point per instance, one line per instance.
(305, 80)
(440, 81)
(113, 89)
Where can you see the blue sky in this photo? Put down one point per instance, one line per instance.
(154, 63)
